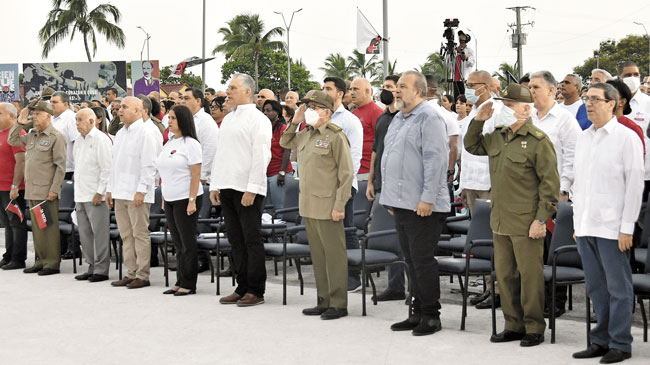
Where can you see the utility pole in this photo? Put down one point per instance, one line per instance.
(288, 28)
(647, 35)
(203, 53)
(385, 40)
(519, 38)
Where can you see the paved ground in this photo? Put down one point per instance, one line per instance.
(58, 320)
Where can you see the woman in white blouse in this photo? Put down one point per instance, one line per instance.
(179, 165)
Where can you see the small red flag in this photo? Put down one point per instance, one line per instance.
(40, 216)
(13, 207)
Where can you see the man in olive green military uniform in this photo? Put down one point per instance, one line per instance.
(326, 173)
(44, 173)
(525, 192)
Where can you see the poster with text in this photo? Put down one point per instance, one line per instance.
(145, 77)
(82, 81)
(9, 89)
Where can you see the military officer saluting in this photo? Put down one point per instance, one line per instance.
(326, 173)
(44, 173)
(525, 192)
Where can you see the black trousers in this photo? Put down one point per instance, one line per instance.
(15, 230)
(243, 226)
(183, 230)
(351, 238)
(418, 237)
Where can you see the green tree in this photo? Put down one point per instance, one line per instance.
(245, 36)
(610, 54)
(272, 71)
(336, 66)
(360, 67)
(188, 77)
(506, 69)
(378, 81)
(76, 18)
(434, 66)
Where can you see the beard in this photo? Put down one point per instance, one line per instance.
(399, 104)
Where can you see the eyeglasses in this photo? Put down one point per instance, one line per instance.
(215, 107)
(594, 100)
(313, 107)
(471, 85)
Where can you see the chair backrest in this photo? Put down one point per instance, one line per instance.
(479, 228)
(156, 208)
(645, 234)
(291, 196)
(563, 236)
(205, 211)
(361, 202)
(381, 220)
(66, 200)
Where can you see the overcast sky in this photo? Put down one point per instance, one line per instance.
(565, 33)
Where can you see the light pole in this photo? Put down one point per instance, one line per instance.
(646, 33)
(146, 41)
(288, 28)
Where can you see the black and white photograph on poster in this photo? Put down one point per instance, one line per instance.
(9, 89)
(82, 81)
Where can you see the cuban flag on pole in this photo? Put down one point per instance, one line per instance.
(40, 215)
(368, 39)
(15, 209)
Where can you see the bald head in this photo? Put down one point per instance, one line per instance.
(361, 92)
(85, 121)
(495, 85)
(291, 99)
(130, 110)
(262, 96)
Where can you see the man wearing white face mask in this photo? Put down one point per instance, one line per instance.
(640, 104)
(525, 192)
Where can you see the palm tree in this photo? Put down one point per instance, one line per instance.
(245, 36)
(361, 67)
(507, 73)
(76, 18)
(434, 66)
(336, 66)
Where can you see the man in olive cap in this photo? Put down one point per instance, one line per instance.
(46, 94)
(326, 173)
(525, 191)
(44, 172)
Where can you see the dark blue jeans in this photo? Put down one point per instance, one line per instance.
(609, 285)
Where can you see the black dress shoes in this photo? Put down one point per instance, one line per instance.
(334, 313)
(169, 292)
(314, 311)
(487, 304)
(183, 293)
(406, 325)
(593, 350)
(14, 265)
(428, 325)
(388, 295)
(478, 299)
(32, 270)
(614, 355)
(46, 272)
(532, 339)
(507, 336)
(85, 276)
(97, 278)
(4, 262)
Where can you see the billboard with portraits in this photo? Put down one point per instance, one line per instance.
(145, 76)
(9, 89)
(82, 81)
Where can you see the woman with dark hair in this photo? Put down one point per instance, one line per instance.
(623, 108)
(179, 165)
(217, 110)
(288, 113)
(280, 164)
(100, 121)
(155, 108)
(447, 102)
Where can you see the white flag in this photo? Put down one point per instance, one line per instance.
(368, 40)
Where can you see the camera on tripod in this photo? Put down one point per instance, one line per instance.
(449, 48)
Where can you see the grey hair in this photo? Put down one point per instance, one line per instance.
(420, 81)
(248, 83)
(64, 97)
(484, 76)
(146, 102)
(577, 80)
(608, 76)
(546, 76)
(11, 109)
(610, 92)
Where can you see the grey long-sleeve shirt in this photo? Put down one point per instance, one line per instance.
(415, 159)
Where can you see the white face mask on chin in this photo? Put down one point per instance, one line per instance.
(311, 117)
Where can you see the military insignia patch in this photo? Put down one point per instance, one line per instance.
(322, 144)
(45, 143)
(524, 144)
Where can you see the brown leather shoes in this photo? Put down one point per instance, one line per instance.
(137, 284)
(231, 299)
(250, 300)
(125, 280)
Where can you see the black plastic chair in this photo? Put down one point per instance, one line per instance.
(478, 256)
(639, 254)
(361, 207)
(66, 226)
(641, 284)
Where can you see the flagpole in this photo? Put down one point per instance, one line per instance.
(385, 40)
(203, 53)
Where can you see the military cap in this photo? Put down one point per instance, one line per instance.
(516, 92)
(46, 94)
(41, 105)
(320, 97)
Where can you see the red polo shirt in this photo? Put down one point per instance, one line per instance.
(368, 115)
(8, 162)
(276, 153)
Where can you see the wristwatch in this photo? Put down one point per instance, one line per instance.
(450, 172)
(192, 199)
(282, 173)
(15, 186)
(563, 192)
(540, 221)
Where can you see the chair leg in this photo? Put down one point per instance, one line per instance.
(552, 310)
(588, 316)
(570, 297)
(645, 320)
(363, 288)
(284, 278)
(464, 311)
(120, 258)
(374, 290)
(300, 278)
(211, 267)
(219, 265)
(74, 252)
(275, 265)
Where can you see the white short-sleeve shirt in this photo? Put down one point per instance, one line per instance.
(173, 164)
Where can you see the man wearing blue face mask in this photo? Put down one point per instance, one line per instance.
(525, 192)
